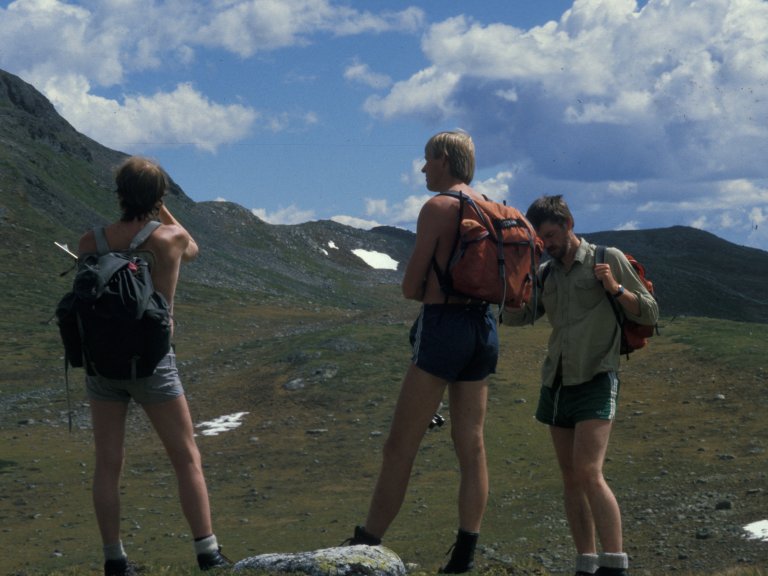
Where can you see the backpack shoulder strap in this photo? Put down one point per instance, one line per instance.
(143, 234)
(546, 268)
(443, 275)
(600, 254)
(102, 246)
(600, 259)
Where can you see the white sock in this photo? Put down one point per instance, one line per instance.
(114, 551)
(586, 563)
(614, 560)
(207, 545)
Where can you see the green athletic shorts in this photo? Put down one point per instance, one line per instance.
(565, 406)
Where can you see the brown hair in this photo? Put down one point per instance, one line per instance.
(549, 209)
(141, 185)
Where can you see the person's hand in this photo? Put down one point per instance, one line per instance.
(605, 277)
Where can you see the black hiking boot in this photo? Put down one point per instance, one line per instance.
(462, 553)
(582, 573)
(120, 567)
(361, 537)
(210, 560)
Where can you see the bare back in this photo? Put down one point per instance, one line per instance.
(435, 237)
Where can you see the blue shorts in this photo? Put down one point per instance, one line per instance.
(565, 406)
(456, 342)
(163, 385)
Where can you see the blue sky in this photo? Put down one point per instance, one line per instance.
(643, 114)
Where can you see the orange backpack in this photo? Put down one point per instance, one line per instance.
(495, 256)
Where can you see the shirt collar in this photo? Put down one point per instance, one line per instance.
(582, 251)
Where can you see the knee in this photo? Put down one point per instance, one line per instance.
(110, 462)
(586, 477)
(395, 450)
(470, 448)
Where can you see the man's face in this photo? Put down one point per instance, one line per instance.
(435, 170)
(556, 239)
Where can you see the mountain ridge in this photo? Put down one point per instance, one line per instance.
(56, 182)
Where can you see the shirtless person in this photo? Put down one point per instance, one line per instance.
(455, 346)
(141, 185)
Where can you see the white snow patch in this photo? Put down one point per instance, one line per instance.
(757, 530)
(221, 424)
(377, 260)
(332, 244)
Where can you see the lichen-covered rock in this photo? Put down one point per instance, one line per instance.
(341, 561)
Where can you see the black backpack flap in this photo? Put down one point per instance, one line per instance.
(95, 272)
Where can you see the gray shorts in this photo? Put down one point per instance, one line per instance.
(163, 385)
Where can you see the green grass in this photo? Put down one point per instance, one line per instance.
(736, 345)
(297, 475)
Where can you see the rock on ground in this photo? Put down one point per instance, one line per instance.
(341, 561)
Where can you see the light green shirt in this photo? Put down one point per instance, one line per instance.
(585, 337)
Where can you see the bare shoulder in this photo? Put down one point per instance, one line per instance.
(439, 208)
(442, 202)
(174, 240)
(170, 233)
(87, 243)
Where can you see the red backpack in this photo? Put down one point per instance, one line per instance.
(633, 335)
(495, 255)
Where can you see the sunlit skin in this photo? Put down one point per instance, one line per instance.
(421, 392)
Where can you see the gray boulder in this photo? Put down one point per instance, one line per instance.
(340, 561)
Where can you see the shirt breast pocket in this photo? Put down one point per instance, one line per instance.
(549, 295)
(589, 293)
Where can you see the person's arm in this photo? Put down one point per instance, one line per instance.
(419, 265)
(630, 293)
(189, 247)
(532, 310)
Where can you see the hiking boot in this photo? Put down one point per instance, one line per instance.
(120, 567)
(456, 566)
(362, 537)
(603, 571)
(211, 560)
(580, 573)
(462, 554)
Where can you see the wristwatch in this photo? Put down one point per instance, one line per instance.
(619, 292)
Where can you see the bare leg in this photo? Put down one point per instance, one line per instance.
(173, 424)
(590, 447)
(468, 407)
(589, 503)
(420, 395)
(108, 420)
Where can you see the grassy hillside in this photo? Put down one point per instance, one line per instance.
(688, 460)
(695, 273)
